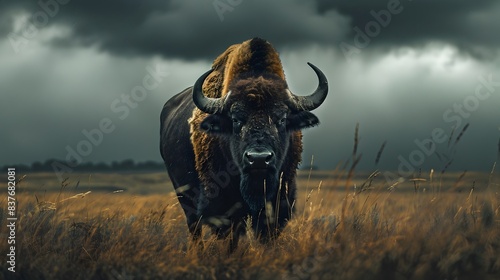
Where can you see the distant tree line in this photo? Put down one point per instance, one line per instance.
(125, 165)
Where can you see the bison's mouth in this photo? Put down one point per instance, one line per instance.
(259, 172)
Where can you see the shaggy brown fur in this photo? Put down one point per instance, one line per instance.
(260, 91)
(236, 60)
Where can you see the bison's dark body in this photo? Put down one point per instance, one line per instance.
(234, 155)
(222, 206)
(177, 151)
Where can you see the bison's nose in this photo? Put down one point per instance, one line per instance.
(258, 158)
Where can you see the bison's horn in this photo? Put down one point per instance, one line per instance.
(206, 104)
(313, 101)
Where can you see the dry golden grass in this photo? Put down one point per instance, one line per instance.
(135, 183)
(442, 229)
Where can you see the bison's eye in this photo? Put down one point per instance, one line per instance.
(282, 122)
(236, 122)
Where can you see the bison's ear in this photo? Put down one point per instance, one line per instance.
(301, 120)
(216, 124)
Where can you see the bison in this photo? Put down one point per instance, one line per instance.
(232, 143)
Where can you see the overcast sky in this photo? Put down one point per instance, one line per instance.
(404, 70)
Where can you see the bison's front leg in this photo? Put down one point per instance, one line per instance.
(237, 230)
(269, 222)
(195, 230)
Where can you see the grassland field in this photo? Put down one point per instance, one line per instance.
(346, 226)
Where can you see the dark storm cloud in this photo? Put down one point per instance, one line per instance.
(190, 29)
(469, 25)
(200, 29)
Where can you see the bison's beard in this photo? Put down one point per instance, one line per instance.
(257, 188)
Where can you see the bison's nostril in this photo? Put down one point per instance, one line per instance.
(249, 157)
(269, 157)
(259, 159)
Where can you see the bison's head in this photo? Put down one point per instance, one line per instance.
(256, 118)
